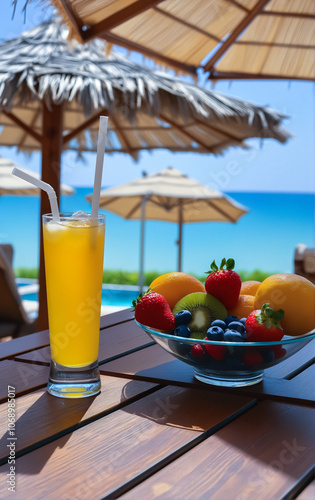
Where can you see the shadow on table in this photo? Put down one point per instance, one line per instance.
(280, 437)
(48, 421)
(172, 406)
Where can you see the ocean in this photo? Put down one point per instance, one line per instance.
(265, 238)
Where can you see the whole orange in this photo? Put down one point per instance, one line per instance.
(249, 287)
(244, 306)
(174, 286)
(295, 295)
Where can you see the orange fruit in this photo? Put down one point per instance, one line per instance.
(244, 306)
(249, 287)
(295, 295)
(174, 286)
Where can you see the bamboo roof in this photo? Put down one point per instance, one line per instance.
(147, 109)
(227, 38)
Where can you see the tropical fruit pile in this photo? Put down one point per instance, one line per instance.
(227, 309)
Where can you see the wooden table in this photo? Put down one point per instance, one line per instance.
(154, 431)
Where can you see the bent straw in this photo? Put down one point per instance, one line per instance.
(102, 131)
(45, 187)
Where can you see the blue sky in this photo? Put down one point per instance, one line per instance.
(267, 167)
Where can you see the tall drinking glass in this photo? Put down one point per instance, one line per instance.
(74, 249)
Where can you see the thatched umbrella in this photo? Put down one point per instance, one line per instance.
(48, 89)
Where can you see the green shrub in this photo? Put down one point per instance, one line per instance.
(24, 272)
(150, 276)
(256, 275)
(121, 277)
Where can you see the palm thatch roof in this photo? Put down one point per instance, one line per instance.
(147, 109)
(227, 38)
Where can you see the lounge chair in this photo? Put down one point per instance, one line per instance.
(304, 262)
(14, 320)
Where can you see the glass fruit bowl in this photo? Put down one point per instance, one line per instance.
(230, 364)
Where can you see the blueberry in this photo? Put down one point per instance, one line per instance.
(229, 319)
(243, 320)
(180, 348)
(234, 364)
(215, 333)
(244, 335)
(232, 336)
(183, 317)
(183, 348)
(268, 355)
(182, 331)
(220, 323)
(237, 325)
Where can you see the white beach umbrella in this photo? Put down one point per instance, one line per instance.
(12, 185)
(170, 196)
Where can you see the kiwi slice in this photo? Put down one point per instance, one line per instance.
(204, 309)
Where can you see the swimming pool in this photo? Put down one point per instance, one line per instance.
(112, 295)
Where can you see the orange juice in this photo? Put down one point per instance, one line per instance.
(74, 252)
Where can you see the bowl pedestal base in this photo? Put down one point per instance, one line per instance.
(228, 380)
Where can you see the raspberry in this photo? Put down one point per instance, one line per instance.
(197, 351)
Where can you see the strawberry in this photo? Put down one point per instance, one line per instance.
(224, 284)
(252, 357)
(217, 352)
(153, 310)
(264, 325)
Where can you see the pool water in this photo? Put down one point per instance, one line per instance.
(110, 296)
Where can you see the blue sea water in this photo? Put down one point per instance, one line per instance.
(265, 238)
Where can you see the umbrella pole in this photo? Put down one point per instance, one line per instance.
(51, 161)
(141, 271)
(180, 233)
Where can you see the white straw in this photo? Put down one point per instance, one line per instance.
(44, 186)
(102, 131)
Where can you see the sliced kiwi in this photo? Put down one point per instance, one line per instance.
(204, 309)
(198, 335)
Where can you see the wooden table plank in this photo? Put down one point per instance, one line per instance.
(138, 440)
(22, 344)
(260, 455)
(120, 447)
(114, 341)
(117, 317)
(40, 415)
(22, 376)
(306, 378)
(156, 365)
(308, 493)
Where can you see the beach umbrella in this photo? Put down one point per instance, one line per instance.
(14, 186)
(229, 39)
(169, 196)
(51, 91)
